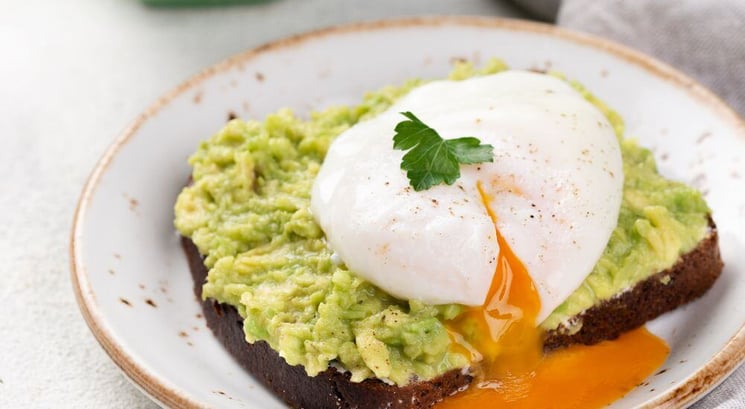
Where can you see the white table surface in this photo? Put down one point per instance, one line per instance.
(73, 74)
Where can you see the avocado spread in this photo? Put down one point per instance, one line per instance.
(247, 212)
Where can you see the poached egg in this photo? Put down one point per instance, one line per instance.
(512, 238)
(553, 192)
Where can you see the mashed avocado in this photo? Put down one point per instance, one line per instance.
(247, 212)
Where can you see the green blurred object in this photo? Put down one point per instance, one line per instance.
(187, 3)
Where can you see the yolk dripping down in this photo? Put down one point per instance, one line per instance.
(514, 373)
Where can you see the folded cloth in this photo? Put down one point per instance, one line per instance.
(704, 39)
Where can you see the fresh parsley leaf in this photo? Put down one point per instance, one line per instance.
(432, 160)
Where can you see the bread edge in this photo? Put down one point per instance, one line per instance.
(328, 389)
(688, 279)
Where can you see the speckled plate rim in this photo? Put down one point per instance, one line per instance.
(706, 378)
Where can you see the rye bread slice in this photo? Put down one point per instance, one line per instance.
(688, 279)
(329, 389)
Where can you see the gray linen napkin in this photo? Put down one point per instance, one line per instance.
(704, 39)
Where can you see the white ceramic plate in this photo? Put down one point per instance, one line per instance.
(131, 277)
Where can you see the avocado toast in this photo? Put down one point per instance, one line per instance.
(271, 274)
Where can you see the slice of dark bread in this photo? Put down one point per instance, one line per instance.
(688, 279)
(329, 389)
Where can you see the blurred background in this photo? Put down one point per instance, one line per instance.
(74, 73)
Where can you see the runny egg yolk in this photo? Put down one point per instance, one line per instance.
(515, 373)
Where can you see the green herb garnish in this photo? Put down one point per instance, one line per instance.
(432, 160)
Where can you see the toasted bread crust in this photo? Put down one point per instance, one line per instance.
(689, 278)
(329, 389)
